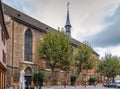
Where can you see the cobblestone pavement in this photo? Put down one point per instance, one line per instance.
(99, 86)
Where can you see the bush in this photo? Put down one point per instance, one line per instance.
(38, 77)
(73, 79)
(92, 80)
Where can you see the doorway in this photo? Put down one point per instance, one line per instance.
(28, 76)
(28, 80)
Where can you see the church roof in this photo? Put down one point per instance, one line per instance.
(25, 19)
(33, 23)
(76, 43)
(2, 21)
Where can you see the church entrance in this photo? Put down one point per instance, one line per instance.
(28, 76)
(28, 80)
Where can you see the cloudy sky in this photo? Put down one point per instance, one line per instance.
(97, 21)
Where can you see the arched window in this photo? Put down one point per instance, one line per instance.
(47, 64)
(28, 46)
(28, 71)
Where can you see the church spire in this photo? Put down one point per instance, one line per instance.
(68, 25)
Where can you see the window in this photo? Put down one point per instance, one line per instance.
(3, 36)
(28, 45)
(4, 56)
(28, 71)
(47, 64)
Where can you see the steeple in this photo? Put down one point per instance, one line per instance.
(68, 25)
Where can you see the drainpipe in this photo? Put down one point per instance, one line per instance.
(12, 45)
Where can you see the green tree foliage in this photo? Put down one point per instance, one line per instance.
(109, 66)
(38, 77)
(83, 57)
(56, 47)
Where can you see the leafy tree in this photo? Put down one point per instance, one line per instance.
(109, 66)
(83, 58)
(56, 48)
(38, 77)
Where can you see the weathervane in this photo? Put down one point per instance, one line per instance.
(68, 3)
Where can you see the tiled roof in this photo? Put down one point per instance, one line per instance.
(25, 19)
(33, 23)
(76, 43)
(3, 21)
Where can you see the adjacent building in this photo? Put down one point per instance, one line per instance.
(3, 37)
(25, 32)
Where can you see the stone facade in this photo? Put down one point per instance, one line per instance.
(15, 49)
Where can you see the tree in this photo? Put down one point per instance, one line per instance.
(56, 48)
(83, 58)
(109, 67)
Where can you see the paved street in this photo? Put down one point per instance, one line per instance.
(99, 86)
(78, 87)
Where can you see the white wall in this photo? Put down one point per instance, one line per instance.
(2, 47)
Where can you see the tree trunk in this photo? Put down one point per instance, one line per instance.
(107, 80)
(104, 81)
(113, 80)
(77, 79)
(50, 79)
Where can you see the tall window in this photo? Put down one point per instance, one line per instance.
(3, 36)
(47, 64)
(4, 56)
(28, 46)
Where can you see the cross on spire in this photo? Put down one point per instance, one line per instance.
(68, 3)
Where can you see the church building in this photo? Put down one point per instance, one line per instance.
(3, 37)
(25, 32)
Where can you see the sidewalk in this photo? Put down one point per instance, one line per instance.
(99, 86)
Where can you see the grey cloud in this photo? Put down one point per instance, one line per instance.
(113, 18)
(109, 36)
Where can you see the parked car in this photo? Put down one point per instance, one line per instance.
(117, 85)
(112, 85)
(106, 85)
